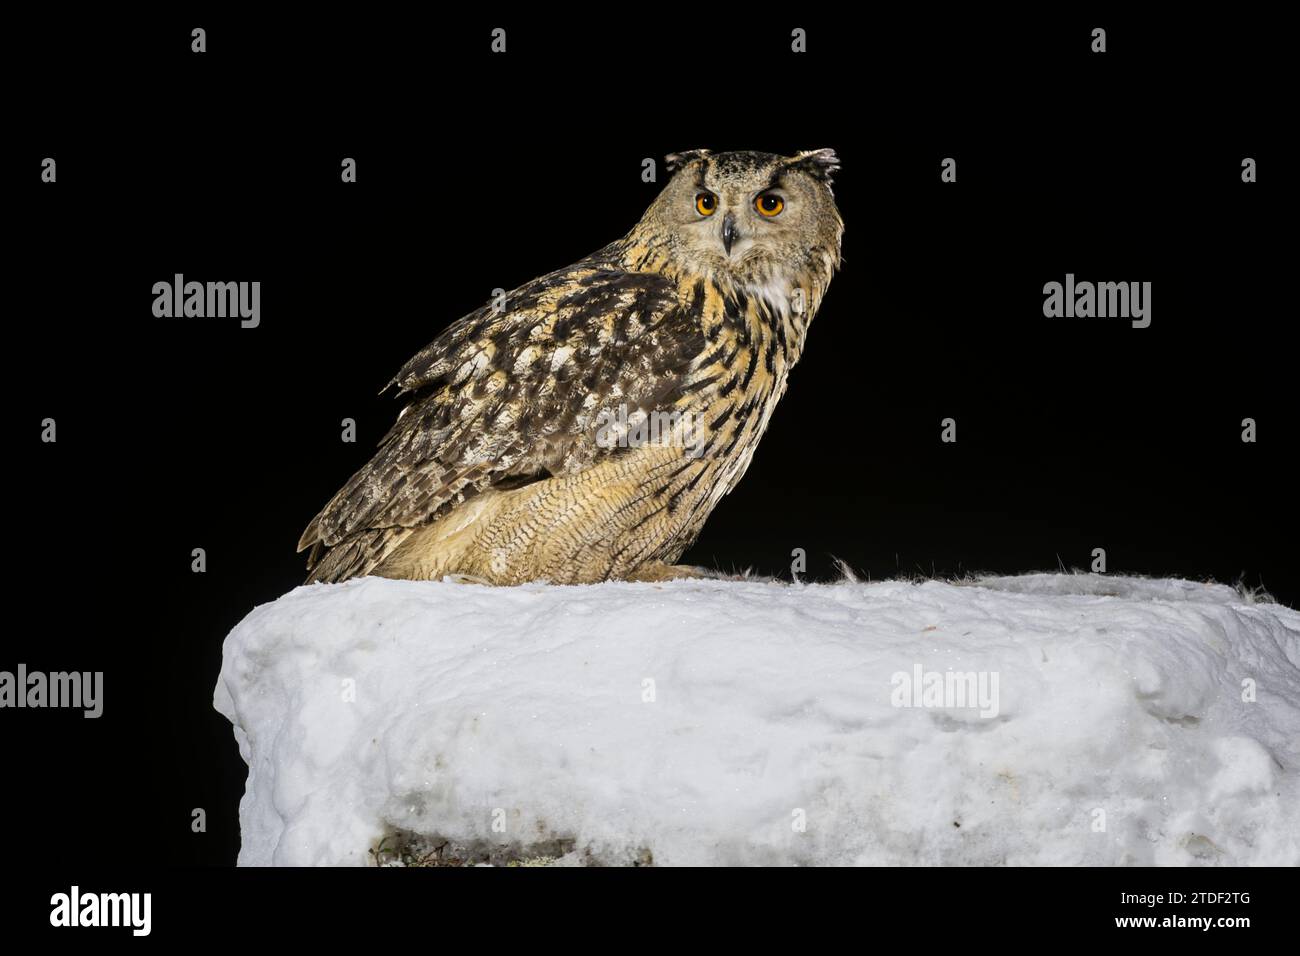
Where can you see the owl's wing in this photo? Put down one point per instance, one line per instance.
(503, 396)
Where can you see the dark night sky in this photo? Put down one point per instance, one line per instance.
(478, 172)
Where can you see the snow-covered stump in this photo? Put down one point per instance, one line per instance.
(1047, 719)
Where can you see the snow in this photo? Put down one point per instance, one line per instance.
(1107, 721)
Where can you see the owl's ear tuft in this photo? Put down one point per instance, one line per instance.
(818, 163)
(675, 161)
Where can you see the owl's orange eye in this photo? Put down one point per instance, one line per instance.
(706, 203)
(769, 204)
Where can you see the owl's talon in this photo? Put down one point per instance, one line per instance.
(466, 579)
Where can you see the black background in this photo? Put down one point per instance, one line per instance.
(479, 171)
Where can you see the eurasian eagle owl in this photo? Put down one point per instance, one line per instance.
(583, 429)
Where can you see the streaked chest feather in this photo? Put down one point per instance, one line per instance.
(754, 334)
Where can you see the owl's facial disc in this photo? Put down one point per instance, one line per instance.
(749, 214)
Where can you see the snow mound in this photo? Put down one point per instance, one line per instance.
(1047, 719)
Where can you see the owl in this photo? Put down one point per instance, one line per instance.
(583, 428)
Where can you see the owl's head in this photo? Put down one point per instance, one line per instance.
(749, 214)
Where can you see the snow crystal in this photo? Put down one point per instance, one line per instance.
(1046, 719)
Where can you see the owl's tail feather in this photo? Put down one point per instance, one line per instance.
(354, 556)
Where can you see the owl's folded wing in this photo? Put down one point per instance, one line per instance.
(509, 394)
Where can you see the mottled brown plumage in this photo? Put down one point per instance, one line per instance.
(519, 457)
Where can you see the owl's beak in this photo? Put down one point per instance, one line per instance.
(729, 231)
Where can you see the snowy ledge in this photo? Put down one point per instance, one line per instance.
(715, 722)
